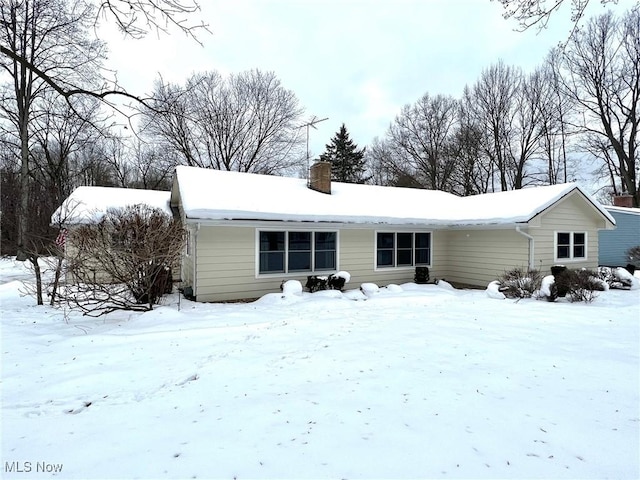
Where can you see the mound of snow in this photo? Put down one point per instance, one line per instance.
(393, 288)
(493, 291)
(327, 294)
(369, 289)
(354, 294)
(278, 299)
(292, 287)
(444, 284)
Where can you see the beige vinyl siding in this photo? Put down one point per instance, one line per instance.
(358, 254)
(572, 214)
(477, 257)
(226, 265)
(226, 262)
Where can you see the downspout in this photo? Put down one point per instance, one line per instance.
(195, 260)
(531, 246)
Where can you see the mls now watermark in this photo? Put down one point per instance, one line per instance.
(28, 467)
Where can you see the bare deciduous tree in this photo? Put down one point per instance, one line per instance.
(473, 172)
(538, 12)
(247, 122)
(40, 40)
(601, 66)
(416, 150)
(493, 103)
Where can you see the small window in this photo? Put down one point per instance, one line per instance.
(571, 245)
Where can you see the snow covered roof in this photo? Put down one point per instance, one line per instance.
(627, 210)
(221, 195)
(89, 204)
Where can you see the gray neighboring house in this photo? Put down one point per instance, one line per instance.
(614, 244)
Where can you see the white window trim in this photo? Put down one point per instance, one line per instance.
(297, 273)
(376, 268)
(570, 258)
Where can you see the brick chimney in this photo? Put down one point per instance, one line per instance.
(320, 177)
(623, 201)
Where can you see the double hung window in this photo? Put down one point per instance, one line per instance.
(571, 245)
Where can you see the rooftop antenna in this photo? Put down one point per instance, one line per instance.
(311, 123)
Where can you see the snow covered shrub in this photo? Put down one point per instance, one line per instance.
(577, 285)
(583, 286)
(625, 279)
(634, 255)
(520, 283)
(548, 288)
(335, 281)
(619, 277)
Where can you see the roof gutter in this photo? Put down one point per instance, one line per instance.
(531, 246)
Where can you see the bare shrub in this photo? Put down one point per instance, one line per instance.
(578, 285)
(124, 261)
(584, 285)
(520, 283)
(634, 255)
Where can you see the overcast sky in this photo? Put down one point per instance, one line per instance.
(354, 61)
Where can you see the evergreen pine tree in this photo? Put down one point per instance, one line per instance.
(347, 162)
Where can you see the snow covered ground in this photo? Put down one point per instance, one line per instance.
(412, 382)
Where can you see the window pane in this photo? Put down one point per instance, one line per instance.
(563, 251)
(299, 261)
(405, 240)
(325, 240)
(300, 241)
(578, 251)
(385, 258)
(564, 239)
(385, 240)
(271, 262)
(578, 239)
(423, 240)
(404, 257)
(325, 260)
(422, 256)
(272, 241)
